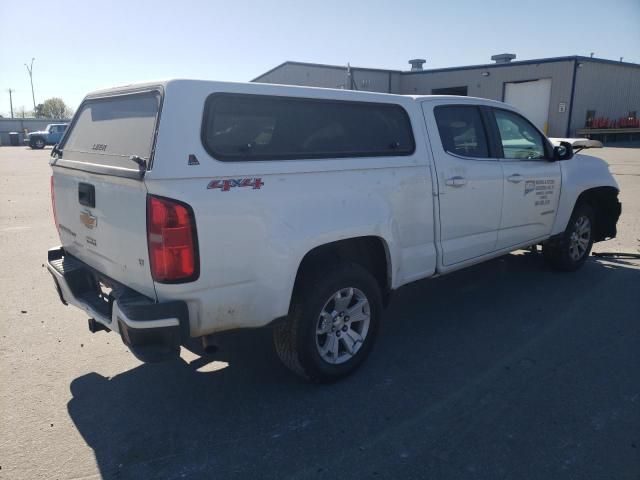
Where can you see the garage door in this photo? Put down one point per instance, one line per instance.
(532, 99)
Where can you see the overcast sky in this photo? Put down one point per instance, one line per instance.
(80, 46)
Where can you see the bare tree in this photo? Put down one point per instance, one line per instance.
(20, 112)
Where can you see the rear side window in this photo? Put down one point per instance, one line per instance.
(257, 127)
(107, 131)
(462, 130)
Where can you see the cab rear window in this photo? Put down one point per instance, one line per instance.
(258, 127)
(107, 131)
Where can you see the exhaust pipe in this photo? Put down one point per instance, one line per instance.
(208, 345)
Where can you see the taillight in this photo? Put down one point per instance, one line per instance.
(172, 240)
(53, 204)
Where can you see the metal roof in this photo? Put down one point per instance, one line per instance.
(570, 58)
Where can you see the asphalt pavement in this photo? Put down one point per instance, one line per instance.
(507, 370)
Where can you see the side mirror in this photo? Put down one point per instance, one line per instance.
(55, 151)
(564, 151)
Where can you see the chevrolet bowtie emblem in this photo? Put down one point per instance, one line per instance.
(88, 220)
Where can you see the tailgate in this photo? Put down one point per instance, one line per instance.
(100, 199)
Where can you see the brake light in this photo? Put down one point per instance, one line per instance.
(53, 205)
(172, 240)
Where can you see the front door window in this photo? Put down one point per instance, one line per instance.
(520, 139)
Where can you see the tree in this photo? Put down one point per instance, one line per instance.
(38, 112)
(20, 112)
(55, 108)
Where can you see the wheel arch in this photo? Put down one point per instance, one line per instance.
(371, 252)
(607, 209)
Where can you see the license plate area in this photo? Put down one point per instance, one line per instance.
(101, 295)
(104, 291)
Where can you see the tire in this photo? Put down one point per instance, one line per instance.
(37, 143)
(318, 305)
(571, 251)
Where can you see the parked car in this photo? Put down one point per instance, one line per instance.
(49, 136)
(200, 207)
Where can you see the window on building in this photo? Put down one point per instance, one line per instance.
(520, 139)
(257, 127)
(460, 91)
(462, 130)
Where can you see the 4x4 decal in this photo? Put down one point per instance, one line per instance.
(226, 185)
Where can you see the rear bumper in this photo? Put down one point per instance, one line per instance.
(152, 331)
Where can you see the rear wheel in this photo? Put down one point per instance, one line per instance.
(37, 143)
(571, 251)
(333, 323)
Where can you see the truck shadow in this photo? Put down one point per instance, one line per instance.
(447, 345)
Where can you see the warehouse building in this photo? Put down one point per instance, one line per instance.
(563, 96)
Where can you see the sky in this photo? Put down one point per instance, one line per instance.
(80, 46)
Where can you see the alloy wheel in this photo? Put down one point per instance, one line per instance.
(343, 325)
(580, 238)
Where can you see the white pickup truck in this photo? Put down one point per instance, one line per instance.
(186, 208)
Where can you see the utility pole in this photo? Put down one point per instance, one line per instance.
(11, 102)
(33, 96)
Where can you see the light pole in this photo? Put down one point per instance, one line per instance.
(33, 96)
(11, 102)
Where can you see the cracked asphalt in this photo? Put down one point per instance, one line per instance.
(507, 370)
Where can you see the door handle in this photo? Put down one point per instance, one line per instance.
(515, 178)
(456, 181)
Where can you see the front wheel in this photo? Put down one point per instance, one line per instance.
(332, 324)
(37, 143)
(571, 251)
